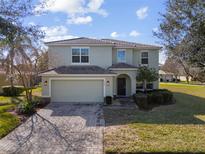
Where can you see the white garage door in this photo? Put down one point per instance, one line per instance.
(77, 91)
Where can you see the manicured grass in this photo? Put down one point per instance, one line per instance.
(5, 100)
(9, 121)
(37, 91)
(173, 128)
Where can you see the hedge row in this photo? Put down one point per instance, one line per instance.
(152, 98)
(12, 91)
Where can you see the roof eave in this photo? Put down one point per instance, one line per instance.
(56, 44)
(76, 75)
(122, 69)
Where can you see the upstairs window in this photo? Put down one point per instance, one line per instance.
(80, 55)
(144, 58)
(121, 56)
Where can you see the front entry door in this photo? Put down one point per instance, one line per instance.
(121, 86)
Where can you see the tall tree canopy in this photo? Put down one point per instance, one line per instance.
(182, 31)
(19, 43)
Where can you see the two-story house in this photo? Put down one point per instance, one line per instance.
(87, 70)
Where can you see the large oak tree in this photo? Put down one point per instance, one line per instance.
(182, 32)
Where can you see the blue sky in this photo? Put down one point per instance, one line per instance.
(131, 20)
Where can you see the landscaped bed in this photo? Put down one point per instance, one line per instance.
(8, 118)
(179, 127)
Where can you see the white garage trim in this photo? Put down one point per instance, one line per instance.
(101, 79)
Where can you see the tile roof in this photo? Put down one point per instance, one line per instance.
(122, 65)
(99, 42)
(81, 40)
(126, 44)
(77, 69)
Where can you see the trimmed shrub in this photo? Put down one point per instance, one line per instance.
(15, 91)
(141, 101)
(167, 96)
(155, 98)
(146, 101)
(108, 100)
(25, 108)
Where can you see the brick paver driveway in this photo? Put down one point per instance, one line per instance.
(58, 128)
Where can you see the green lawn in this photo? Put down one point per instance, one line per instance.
(9, 121)
(173, 128)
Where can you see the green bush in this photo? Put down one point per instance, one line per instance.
(153, 98)
(25, 108)
(141, 101)
(167, 96)
(15, 91)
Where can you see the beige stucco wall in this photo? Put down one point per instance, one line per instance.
(136, 57)
(101, 56)
(153, 58)
(108, 87)
(61, 56)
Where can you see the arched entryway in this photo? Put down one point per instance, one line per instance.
(123, 85)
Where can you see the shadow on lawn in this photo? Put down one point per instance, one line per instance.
(155, 153)
(188, 109)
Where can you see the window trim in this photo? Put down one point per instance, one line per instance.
(144, 58)
(125, 55)
(80, 63)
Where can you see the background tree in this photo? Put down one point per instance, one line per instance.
(42, 62)
(17, 40)
(172, 66)
(145, 75)
(182, 31)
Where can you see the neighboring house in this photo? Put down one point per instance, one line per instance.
(166, 76)
(87, 70)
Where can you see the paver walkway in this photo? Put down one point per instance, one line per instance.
(58, 128)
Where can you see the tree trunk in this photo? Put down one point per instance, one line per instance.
(176, 78)
(187, 79)
(145, 86)
(29, 95)
(12, 70)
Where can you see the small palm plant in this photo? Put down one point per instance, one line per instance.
(145, 75)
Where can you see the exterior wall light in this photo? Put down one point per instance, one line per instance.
(108, 83)
(45, 83)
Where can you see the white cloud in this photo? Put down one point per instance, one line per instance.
(134, 33)
(80, 20)
(74, 8)
(95, 6)
(142, 12)
(56, 33)
(114, 34)
(155, 29)
(31, 23)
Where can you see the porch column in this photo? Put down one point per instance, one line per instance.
(114, 86)
(133, 86)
